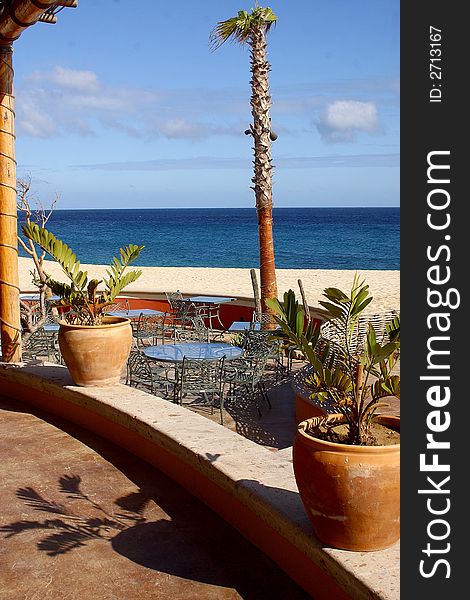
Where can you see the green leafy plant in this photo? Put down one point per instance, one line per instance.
(355, 382)
(291, 317)
(88, 305)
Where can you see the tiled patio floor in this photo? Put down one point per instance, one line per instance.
(82, 519)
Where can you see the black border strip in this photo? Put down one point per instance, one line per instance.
(434, 271)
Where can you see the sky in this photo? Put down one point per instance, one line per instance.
(123, 104)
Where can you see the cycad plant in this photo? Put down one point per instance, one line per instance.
(81, 295)
(356, 382)
(251, 29)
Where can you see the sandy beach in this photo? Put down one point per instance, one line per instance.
(384, 285)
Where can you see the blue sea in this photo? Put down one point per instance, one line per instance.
(304, 238)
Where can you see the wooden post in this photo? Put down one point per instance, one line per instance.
(18, 15)
(10, 327)
(304, 301)
(254, 283)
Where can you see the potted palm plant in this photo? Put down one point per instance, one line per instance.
(94, 346)
(347, 460)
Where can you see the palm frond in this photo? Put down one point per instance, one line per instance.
(59, 251)
(239, 29)
(70, 484)
(36, 501)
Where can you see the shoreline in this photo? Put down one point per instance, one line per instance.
(384, 285)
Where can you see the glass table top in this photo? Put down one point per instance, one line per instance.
(134, 312)
(244, 326)
(210, 299)
(193, 350)
(36, 297)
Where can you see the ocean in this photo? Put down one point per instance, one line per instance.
(304, 238)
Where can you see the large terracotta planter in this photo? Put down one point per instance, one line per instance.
(96, 355)
(351, 493)
(305, 408)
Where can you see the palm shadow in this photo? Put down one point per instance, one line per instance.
(189, 542)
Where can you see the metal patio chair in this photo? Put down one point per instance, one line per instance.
(198, 379)
(246, 374)
(41, 345)
(176, 303)
(144, 373)
(211, 315)
(331, 339)
(284, 352)
(194, 331)
(263, 319)
(150, 330)
(261, 341)
(173, 297)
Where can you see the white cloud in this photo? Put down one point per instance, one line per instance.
(99, 102)
(34, 121)
(181, 128)
(65, 100)
(62, 101)
(86, 81)
(225, 163)
(342, 120)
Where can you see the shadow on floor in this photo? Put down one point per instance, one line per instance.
(158, 526)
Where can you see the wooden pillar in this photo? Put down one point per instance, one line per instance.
(18, 15)
(10, 327)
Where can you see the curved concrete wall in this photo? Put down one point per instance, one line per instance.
(250, 486)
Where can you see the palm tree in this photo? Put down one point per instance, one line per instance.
(251, 29)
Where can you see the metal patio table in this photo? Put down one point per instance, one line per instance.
(212, 304)
(193, 350)
(134, 313)
(35, 297)
(244, 326)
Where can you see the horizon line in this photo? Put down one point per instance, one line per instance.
(219, 207)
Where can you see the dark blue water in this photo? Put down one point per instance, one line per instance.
(304, 238)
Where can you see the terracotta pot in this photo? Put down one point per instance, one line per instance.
(96, 355)
(305, 408)
(351, 493)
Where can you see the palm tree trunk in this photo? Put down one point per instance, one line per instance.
(262, 180)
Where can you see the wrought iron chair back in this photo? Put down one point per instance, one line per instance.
(331, 334)
(172, 298)
(142, 373)
(150, 330)
(203, 377)
(195, 331)
(210, 314)
(182, 311)
(257, 342)
(139, 373)
(119, 305)
(263, 319)
(39, 344)
(247, 373)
